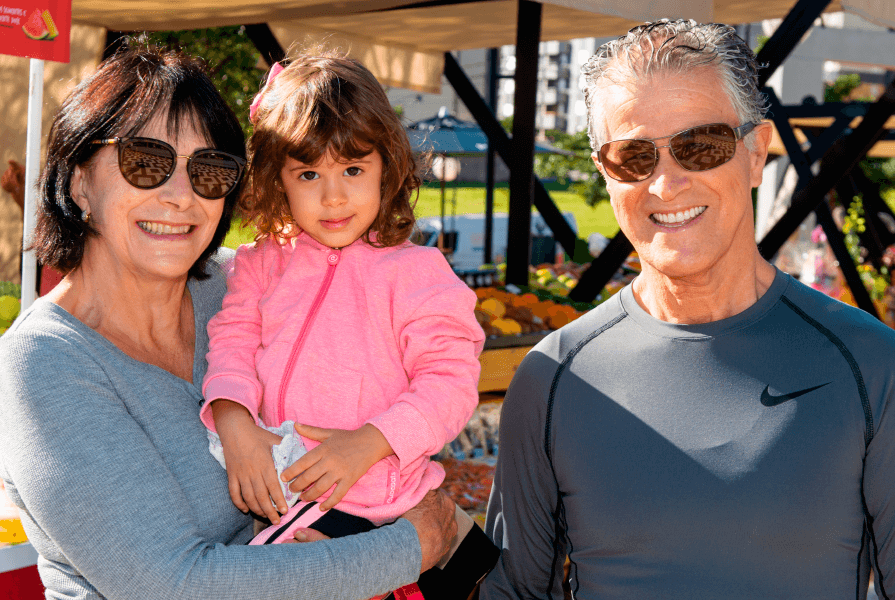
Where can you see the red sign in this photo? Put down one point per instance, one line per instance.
(36, 28)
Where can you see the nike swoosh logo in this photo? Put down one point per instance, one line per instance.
(768, 399)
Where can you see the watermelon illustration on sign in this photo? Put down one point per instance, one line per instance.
(40, 25)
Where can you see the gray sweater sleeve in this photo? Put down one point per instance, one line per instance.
(105, 501)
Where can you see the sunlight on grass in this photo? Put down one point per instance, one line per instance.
(471, 200)
(239, 235)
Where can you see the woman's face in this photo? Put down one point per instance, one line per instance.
(155, 234)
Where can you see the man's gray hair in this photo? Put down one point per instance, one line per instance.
(674, 47)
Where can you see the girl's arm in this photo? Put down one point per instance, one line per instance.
(97, 494)
(342, 458)
(251, 473)
(440, 342)
(235, 336)
(233, 392)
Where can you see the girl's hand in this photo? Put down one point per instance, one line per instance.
(251, 476)
(307, 535)
(340, 460)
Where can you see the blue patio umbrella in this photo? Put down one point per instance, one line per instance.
(446, 135)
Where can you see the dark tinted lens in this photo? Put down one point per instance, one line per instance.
(144, 163)
(704, 147)
(213, 174)
(628, 160)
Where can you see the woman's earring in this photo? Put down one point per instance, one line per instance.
(85, 216)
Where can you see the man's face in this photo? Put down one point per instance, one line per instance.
(715, 228)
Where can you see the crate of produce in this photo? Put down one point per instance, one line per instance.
(10, 304)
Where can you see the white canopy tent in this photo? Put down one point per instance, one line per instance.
(402, 41)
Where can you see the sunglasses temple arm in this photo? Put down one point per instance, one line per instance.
(744, 130)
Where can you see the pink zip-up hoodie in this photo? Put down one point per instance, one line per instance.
(339, 338)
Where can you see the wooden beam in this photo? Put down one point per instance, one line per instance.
(802, 165)
(787, 37)
(498, 137)
(266, 43)
(842, 157)
(528, 37)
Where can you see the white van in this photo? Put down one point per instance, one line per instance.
(470, 249)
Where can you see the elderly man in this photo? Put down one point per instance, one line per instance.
(716, 429)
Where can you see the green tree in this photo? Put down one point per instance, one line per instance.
(232, 61)
(507, 123)
(578, 169)
(839, 90)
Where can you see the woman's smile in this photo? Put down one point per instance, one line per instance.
(164, 229)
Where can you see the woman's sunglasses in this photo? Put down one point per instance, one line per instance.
(147, 163)
(699, 148)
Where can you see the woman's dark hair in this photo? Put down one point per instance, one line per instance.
(119, 100)
(327, 104)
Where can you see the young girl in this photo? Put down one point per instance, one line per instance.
(334, 321)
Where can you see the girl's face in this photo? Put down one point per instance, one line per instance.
(334, 201)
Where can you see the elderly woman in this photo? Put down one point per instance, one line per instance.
(101, 446)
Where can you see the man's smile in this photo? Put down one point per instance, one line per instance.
(678, 219)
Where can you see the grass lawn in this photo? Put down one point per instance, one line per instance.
(470, 199)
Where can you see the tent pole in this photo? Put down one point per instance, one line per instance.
(489, 164)
(32, 166)
(787, 36)
(266, 43)
(498, 137)
(528, 36)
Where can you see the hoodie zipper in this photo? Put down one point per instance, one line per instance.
(332, 261)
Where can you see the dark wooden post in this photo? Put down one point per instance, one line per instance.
(528, 36)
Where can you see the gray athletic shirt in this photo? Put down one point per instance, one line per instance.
(734, 459)
(109, 464)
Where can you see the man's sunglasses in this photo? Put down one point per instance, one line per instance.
(699, 148)
(147, 163)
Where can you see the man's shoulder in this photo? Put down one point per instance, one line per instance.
(534, 377)
(585, 329)
(839, 322)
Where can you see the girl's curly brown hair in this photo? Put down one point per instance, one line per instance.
(328, 105)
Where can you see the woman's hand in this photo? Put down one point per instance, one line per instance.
(435, 525)
(251, 475)
(340, 460)
(433, 519)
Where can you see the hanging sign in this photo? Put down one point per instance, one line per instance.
(36, 29)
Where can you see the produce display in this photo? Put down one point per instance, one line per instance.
(469, 461)
(11, 531)
(503, 313)
(468, 484)
(9, 310)
(543, 305)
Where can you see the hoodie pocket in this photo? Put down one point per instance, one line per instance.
(334, 402)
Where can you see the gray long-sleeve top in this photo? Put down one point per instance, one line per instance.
(747, 458)
(108, 462)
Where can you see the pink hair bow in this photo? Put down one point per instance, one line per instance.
(274, 71)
